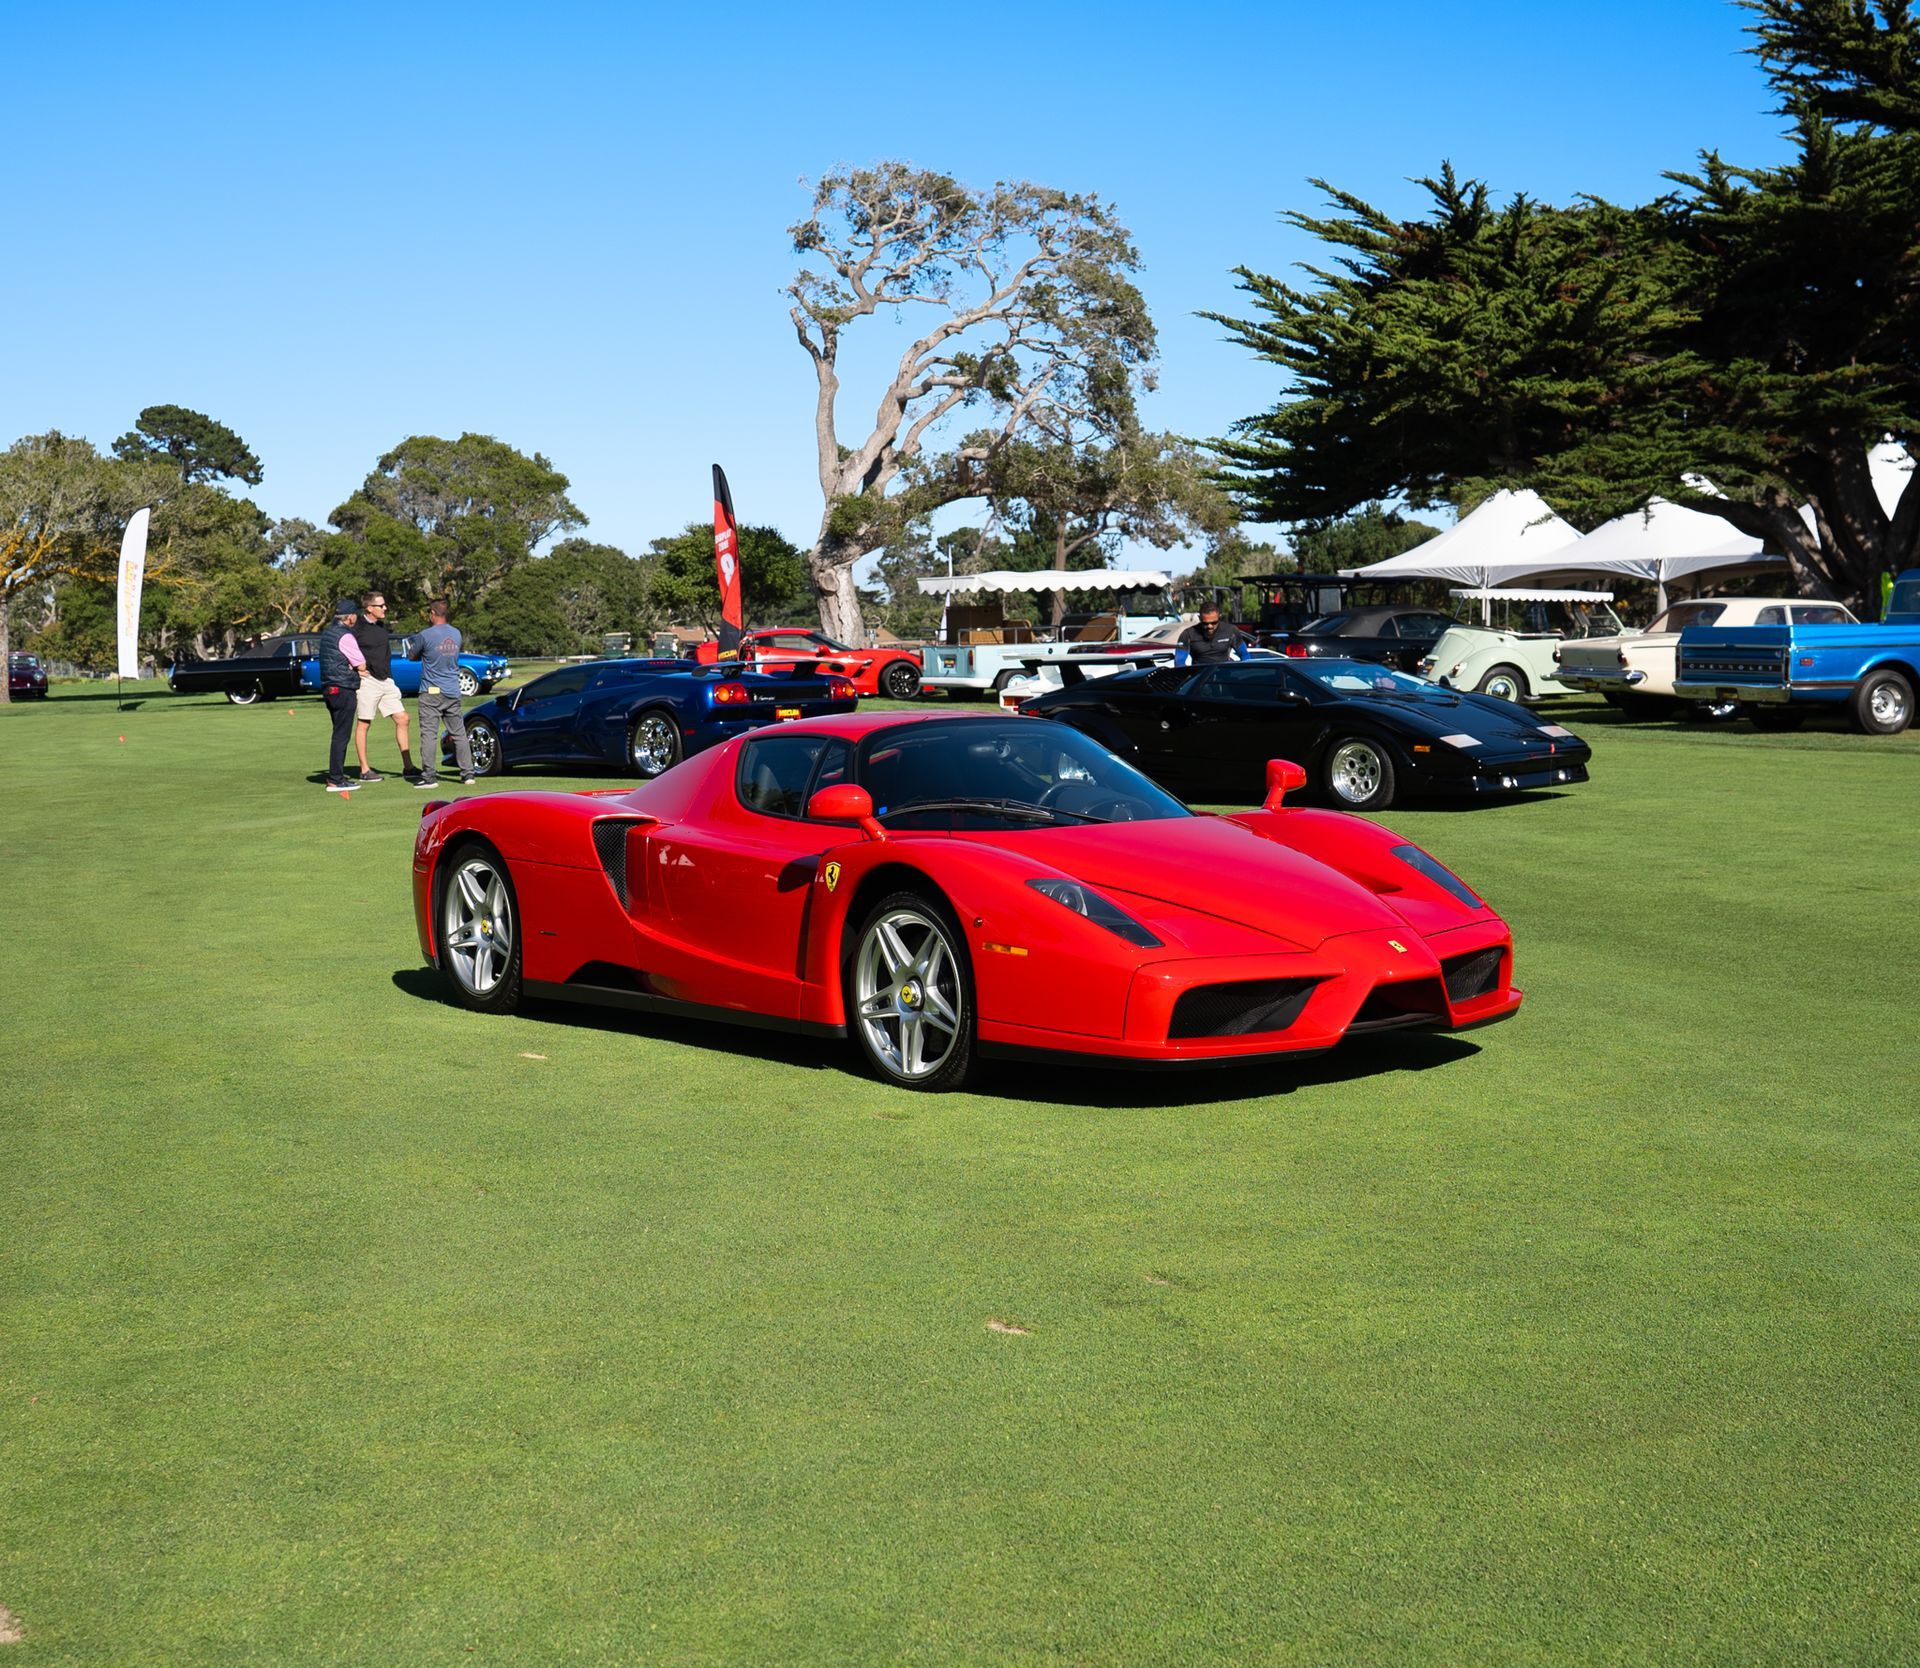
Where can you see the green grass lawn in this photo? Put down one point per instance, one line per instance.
(338, 1325)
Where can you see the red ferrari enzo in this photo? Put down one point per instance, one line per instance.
(948, 887)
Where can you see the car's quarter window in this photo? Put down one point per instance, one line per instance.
(775, 775)
(1248, 680)
(1771, 616)
(1425, 625)
(1820, 613)
(1684, 614)
(1326, 626)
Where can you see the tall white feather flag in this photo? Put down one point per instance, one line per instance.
(133, 573)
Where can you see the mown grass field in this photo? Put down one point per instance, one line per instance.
(340, 1326)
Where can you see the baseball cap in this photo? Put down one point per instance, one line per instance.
(345, 606)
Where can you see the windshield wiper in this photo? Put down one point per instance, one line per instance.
(997, 807)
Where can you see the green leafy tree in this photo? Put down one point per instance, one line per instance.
(565, 602)
(903, 608)
(1371, 533)
(683, 588)
(1847, 61)
(453, 518)
(1031, 308)
(194, 445)
(1756, 327)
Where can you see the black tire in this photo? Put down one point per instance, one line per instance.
(489, 757)
(244, 694)
(475, 906)
(1503, 683)
(654, 746)
(901, 680)
(1001, 680)
(1882, 703)
(903, 1015)
(1357, 773)
(1776, 718)
(470, 685)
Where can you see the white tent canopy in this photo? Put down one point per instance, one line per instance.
(1664, 542)
(1520, 593)
(1891, 469)
(1508, 535)
(1046, 579)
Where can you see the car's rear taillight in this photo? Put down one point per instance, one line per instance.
(840, 689)
(1620, 655)
(731, 694)
(1296, 651)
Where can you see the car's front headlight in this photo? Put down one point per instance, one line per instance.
(1438, 873)
(1102, 912)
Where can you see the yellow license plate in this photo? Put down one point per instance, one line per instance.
(786, 712)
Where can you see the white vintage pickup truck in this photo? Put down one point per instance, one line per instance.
(1636, 673)
(984, 652)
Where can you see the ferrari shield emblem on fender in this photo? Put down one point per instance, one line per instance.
(832, 875)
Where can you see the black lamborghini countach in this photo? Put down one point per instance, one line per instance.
(1364, 733)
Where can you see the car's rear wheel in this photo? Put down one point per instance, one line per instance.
(489, 758)
(244, 694)
(1503, 683)
(1883, 703)
(469, 682)
(901, 680)
(479, 930)
(1776, 718)
(1358, 774)
(909, 992)
(653, 744)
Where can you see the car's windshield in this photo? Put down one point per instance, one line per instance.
(990, 773)
(1906, 597)
(829, 643)
(1684, 614)
(1359, 677)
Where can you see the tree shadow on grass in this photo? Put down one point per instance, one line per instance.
(1095, 1086)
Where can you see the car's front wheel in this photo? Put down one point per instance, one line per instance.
(489, 758)
(901, 680)
(244, 694)
(479, 937)
(1883, 703)
(1503, 683)
(469, 682)
(909, 992)
(1359, 774)
(653, 744)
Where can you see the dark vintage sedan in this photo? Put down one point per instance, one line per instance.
(1401, 637)
(642, 715)
(26, 677)
(258, 671)
(1364, 733)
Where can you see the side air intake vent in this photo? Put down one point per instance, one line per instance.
(1235, 1010)
(610, 844)
(1471, 975)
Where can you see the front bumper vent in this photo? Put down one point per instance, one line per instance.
(1235, 1010)
(1475, 974)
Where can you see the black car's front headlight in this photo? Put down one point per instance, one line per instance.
(1102, 912)
(1439, 874)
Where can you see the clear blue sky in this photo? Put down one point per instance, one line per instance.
(332, 227)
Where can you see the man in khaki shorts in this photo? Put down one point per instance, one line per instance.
(378, 695)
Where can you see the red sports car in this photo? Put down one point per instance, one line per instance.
(948, 887)
(890, 672)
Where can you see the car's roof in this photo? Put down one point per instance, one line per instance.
(854, 725)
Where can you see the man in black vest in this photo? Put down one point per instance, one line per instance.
(340, 663)
(378, 695)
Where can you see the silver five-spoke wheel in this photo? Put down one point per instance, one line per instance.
(910, 995)
(654, 745)
(477, 928)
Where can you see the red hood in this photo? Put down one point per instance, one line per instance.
(1207, 866)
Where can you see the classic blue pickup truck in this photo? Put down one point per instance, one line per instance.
(1872, 671)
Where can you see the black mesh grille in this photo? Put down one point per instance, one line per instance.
(1407, 1003)
(1236, 1009)
(610, 842)
(1471, 975)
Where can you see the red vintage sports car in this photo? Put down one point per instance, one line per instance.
(891, 672)
(947, 887)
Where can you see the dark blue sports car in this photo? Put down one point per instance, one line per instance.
(644, 715)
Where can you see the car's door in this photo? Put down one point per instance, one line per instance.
(543, 723)
(735, 885)
(1244, 714)
(1144, 717)
(405, 666)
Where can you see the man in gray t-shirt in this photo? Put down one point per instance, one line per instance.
(439, 650)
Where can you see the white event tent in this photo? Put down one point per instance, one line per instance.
(1664, 542)
(1506, 535)
(1046, 579)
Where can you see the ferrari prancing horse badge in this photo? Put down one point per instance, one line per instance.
(833, 876)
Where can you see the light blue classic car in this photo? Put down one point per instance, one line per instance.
(478, 672)
(1787, 671)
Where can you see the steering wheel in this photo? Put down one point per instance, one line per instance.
(1110, 808)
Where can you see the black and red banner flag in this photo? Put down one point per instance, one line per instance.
(726, 562)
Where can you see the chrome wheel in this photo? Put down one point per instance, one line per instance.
(485, 746)
(476, 927)
(1355, 772)
(1503, 684)
(244, 695)
(909, 994)
(469, 681)
(654, 744)
(1890, 705)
